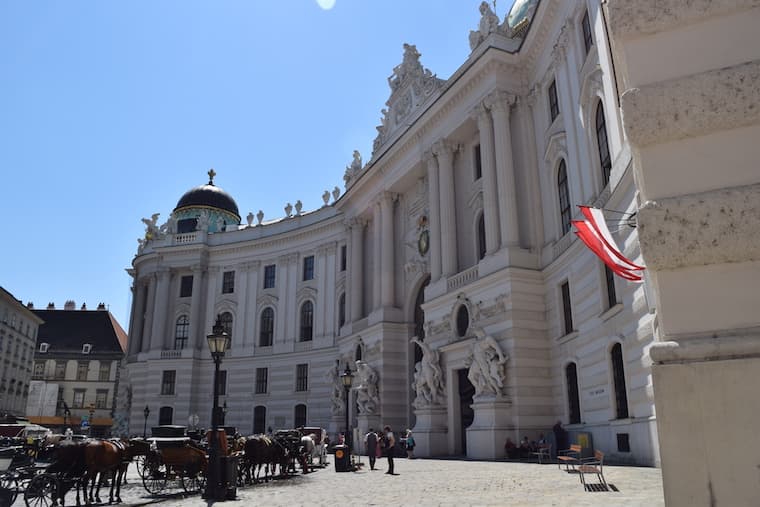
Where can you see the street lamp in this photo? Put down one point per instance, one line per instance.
(218, 341)
(66, 416)
(146, 413)
(347, 377)
(91, 410)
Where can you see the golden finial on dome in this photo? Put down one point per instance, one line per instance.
(211, 174)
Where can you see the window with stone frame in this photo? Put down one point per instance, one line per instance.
(553, 101)
(181, 332)
(563, 191)
(60, 370)
(78, 401)
(228, 282)
(602, 143)
(101, 398)
(299, 415)
(226, 320)
(262, 380)
(567, 309)
(302, 377)
(168, 381)
(186, 286)
(342, 309)
(165, 416)
(618, 377)
(609, 281)
(266, 329)
(259, 419)
(343, 258)
(307, 321)
(308, 268)
(82, 369)
(104, 375)
(481, 234)
(269, 276)
(39, 370)
(478, 162)
(588, 39)
(573, 396)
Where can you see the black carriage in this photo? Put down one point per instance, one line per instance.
(174, 460)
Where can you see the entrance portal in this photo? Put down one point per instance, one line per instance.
(466, 414)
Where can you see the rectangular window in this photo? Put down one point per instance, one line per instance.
(60, 370)
(222, 382)
(609, 279)
(478, 163)
(82, 367)
(168, 379)
(101, 398)
(78, 398)
(39, 370)
(104, 375)
(343, 258)
(269, 273)
(262, 377)
(553, 101)
(308, 268)
(567, 308)
(588, 40)
(186, 286)
(228, 282)
(302, 377)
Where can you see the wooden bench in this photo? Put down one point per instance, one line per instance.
(592, 466)
(544, 452)
(569, 457)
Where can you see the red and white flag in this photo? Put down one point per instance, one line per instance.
(594, 233)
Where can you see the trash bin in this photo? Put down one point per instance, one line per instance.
(229, 476)
(342, 458)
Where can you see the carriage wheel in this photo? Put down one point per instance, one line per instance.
(140, 465)
(154, 476)
(10, 482)
(41, 491)
(194, 483)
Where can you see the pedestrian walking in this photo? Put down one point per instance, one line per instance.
(409, 444)
(370, 445)
(390, 448)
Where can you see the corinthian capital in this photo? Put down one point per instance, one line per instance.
(480, 113)
(500, 100)
(444, 148)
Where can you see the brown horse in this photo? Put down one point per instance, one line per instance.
(263, 451)
(68, 463)
(104, 457)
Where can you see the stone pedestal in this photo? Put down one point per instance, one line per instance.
(489, 429)
(430, 432)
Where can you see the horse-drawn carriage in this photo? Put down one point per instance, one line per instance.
(174, 457)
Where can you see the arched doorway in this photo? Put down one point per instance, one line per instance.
(466, 414)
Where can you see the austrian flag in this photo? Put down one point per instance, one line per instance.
(594, 233)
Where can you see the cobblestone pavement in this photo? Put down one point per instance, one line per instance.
(429, 482)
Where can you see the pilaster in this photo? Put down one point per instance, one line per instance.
(388, 271)
(490, 204)
(445, 152)
(434, 202)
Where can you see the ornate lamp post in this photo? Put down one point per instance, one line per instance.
(146, 413)
(347, 377)
(218, 341)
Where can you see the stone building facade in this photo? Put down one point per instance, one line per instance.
(447, 275)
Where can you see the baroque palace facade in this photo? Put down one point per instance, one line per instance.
(446, 275)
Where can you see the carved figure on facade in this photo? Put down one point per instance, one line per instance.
(337, 392)
(487, 365)
(353, 170)
(151, 227)
(489, 23)
(203, 221)
(219, 224)
(366, 391)
(428, 376)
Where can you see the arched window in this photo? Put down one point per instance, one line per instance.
(481, 236)
(342, 310)
(307, 321)
(300, 415)
(463, 321)
(618, 377)
(573, 398)
(226, 320)
(563, 190)
(266, 330)
(181, 332)
(165, 415)
(358, 354)
(259, 419)
(602, 144)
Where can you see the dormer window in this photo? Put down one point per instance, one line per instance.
(44, 347)
(86, 348)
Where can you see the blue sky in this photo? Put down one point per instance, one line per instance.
(111, 110)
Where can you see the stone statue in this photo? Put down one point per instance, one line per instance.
(336, 193)
(489, 22)
(326, 197)
(428, 377)
(249, 218)
(337, 392)
(203, 221)
(219, 224)
(366, 391)
(486, 363)
(299, 206)
(288, 209)
(259, 217)
(151, 227)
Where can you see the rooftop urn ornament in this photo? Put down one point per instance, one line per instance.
(299, 207)
(288, 209)
(336, 193)
(249, 218)
(260, 217)
(326, 197)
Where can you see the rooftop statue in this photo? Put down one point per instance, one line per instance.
(489, 22)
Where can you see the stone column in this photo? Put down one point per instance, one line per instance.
(137, 331)
(500, 104)
(196, 309)
(434, 201)
(377, 241)
(445, 153)
(149, 314)
(388, 243)
(356, 296)
(490, 198)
